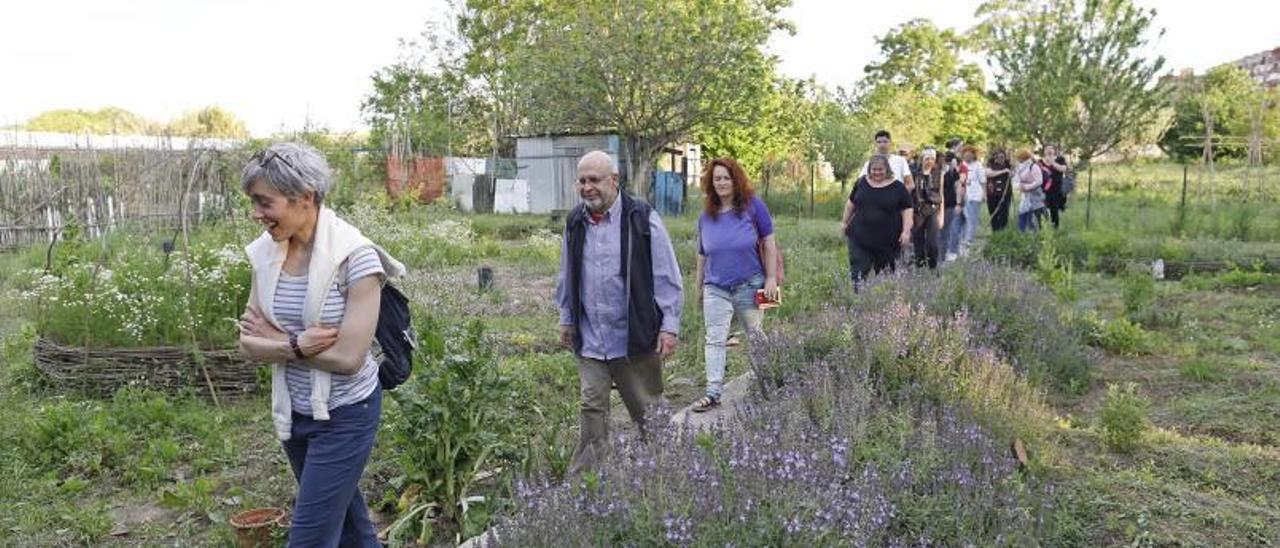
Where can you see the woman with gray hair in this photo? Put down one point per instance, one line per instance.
(313, 308)
(877, 220)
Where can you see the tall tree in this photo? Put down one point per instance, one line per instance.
(1070, 71)
(416, 109)
(922, 90)
(649, 70)
(919, 55)
(209, 122)
(841, 137)
(779, 127)
(913, 116)
(1209, 109)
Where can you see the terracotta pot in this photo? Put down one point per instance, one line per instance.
(254, 527)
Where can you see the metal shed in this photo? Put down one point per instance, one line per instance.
(549, 165)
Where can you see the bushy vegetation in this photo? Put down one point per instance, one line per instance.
(135, 291)
(919, 385)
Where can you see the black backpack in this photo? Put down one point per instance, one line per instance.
(395, 335)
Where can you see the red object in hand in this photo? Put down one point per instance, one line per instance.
(765, 303)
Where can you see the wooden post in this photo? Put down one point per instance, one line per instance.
(1088, 199)
(813, 173)
(1182, 206)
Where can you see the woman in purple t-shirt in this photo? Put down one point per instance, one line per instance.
(732, 231)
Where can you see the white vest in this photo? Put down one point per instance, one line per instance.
(334, 240)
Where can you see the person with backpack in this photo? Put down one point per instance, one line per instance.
(313, 312)
(620, 297)
(999, 193)
(737, 257)
(1055, 194)
(926, 201)
(1030, 181)
(877, 221)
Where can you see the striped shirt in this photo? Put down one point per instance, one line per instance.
(291, 291)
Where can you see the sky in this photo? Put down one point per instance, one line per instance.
(281, 64)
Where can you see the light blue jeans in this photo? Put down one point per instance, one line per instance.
(952, 219)
(969, 224)
(718, 309)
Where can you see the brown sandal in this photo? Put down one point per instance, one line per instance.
(706, 403)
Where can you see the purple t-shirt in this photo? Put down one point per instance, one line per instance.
(729, 240)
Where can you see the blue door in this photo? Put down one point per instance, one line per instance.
(668, 192)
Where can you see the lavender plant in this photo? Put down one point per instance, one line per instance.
(778, 477)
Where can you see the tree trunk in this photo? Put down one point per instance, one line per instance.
(1208, 157)
(638, 154)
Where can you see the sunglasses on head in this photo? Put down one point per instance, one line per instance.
(264, 157)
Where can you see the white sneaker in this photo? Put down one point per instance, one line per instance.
(951, 256)
(964, 251)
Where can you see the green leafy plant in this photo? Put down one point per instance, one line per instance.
(1138, 290)
(1013, 247)
(1054, 270)
(1123, 337)
(1123, 417)
(453, 420)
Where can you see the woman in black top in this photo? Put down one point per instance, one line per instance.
(877, 220)
(998, 195)
(926, 200)
(1054, 198)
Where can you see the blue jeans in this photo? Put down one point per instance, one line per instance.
(1030, 220)
(327, 458)
(719, 306)
(950, 240)
(969, 223)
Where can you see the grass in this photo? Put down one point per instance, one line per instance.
(172, 469)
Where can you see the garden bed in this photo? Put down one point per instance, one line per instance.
(103, 371)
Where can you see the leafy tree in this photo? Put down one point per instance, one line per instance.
(651, 71)
(208, 122)
(1208, 109)
(1069, 71)
(968, 115)
(841, 137)
(913, 116)
(781, 127)
(921, 56)
(921, 90)
(105, 121)
(490, 35)
(416, 110)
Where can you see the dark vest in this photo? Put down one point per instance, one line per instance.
(644, 318)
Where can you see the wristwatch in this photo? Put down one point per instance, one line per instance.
(293, 343)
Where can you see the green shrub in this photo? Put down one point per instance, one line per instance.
(1012, 247)
(1123, 417)
(130, 293)
(1106, 244)
(1054, 270)
(451, 420)
(1138, 291)
(1123, 337)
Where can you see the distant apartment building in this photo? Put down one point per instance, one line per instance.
(1264, 67)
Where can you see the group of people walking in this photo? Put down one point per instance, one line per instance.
(933, 202)
(314, 301)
